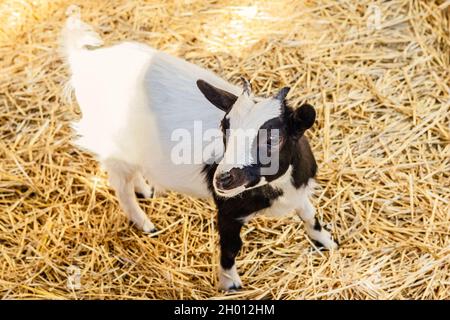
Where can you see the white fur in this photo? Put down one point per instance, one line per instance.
(299, 200)
(229, 278)
(307, 213)
(292, 198)
(132, 98)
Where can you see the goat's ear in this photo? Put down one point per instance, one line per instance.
(303, 118)
(222, 99)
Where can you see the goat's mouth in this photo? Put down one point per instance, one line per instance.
(230, 183)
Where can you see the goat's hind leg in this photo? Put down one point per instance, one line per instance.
(141, 187)
(314, 229)
(122, 178)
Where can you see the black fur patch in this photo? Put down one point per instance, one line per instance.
(222, 99)
(232, 211)
(303, 163)
(225, 126)
(139, 195)
(318, 244)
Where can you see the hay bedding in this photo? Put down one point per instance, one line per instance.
(381, 140)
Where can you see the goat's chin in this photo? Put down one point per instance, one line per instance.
(238, 190)
(229, 193)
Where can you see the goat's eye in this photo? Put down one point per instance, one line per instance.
(270, 139)
(274, 140)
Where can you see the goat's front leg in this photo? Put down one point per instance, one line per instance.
(314, 228)
(230, 244)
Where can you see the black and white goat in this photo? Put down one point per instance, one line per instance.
(133, 98)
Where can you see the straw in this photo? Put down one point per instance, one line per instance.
(377, 73)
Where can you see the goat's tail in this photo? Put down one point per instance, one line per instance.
(76, 34)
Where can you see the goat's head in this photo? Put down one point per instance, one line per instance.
(260, 137)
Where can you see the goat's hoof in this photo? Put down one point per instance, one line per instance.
(149, 227)
(235, 288)
(145, 194)
(318, 244)
(232, 288)
(229, 280)
(336, 243)
(330, 245)
(322, 239)
(152, 233)
(139, 195)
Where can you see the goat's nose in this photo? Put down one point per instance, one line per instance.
(224, 180)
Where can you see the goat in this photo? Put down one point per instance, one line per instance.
(133, 98)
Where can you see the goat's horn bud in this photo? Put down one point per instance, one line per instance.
(73, 11)
(246, 85)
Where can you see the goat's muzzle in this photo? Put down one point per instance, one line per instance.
(230, 179)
